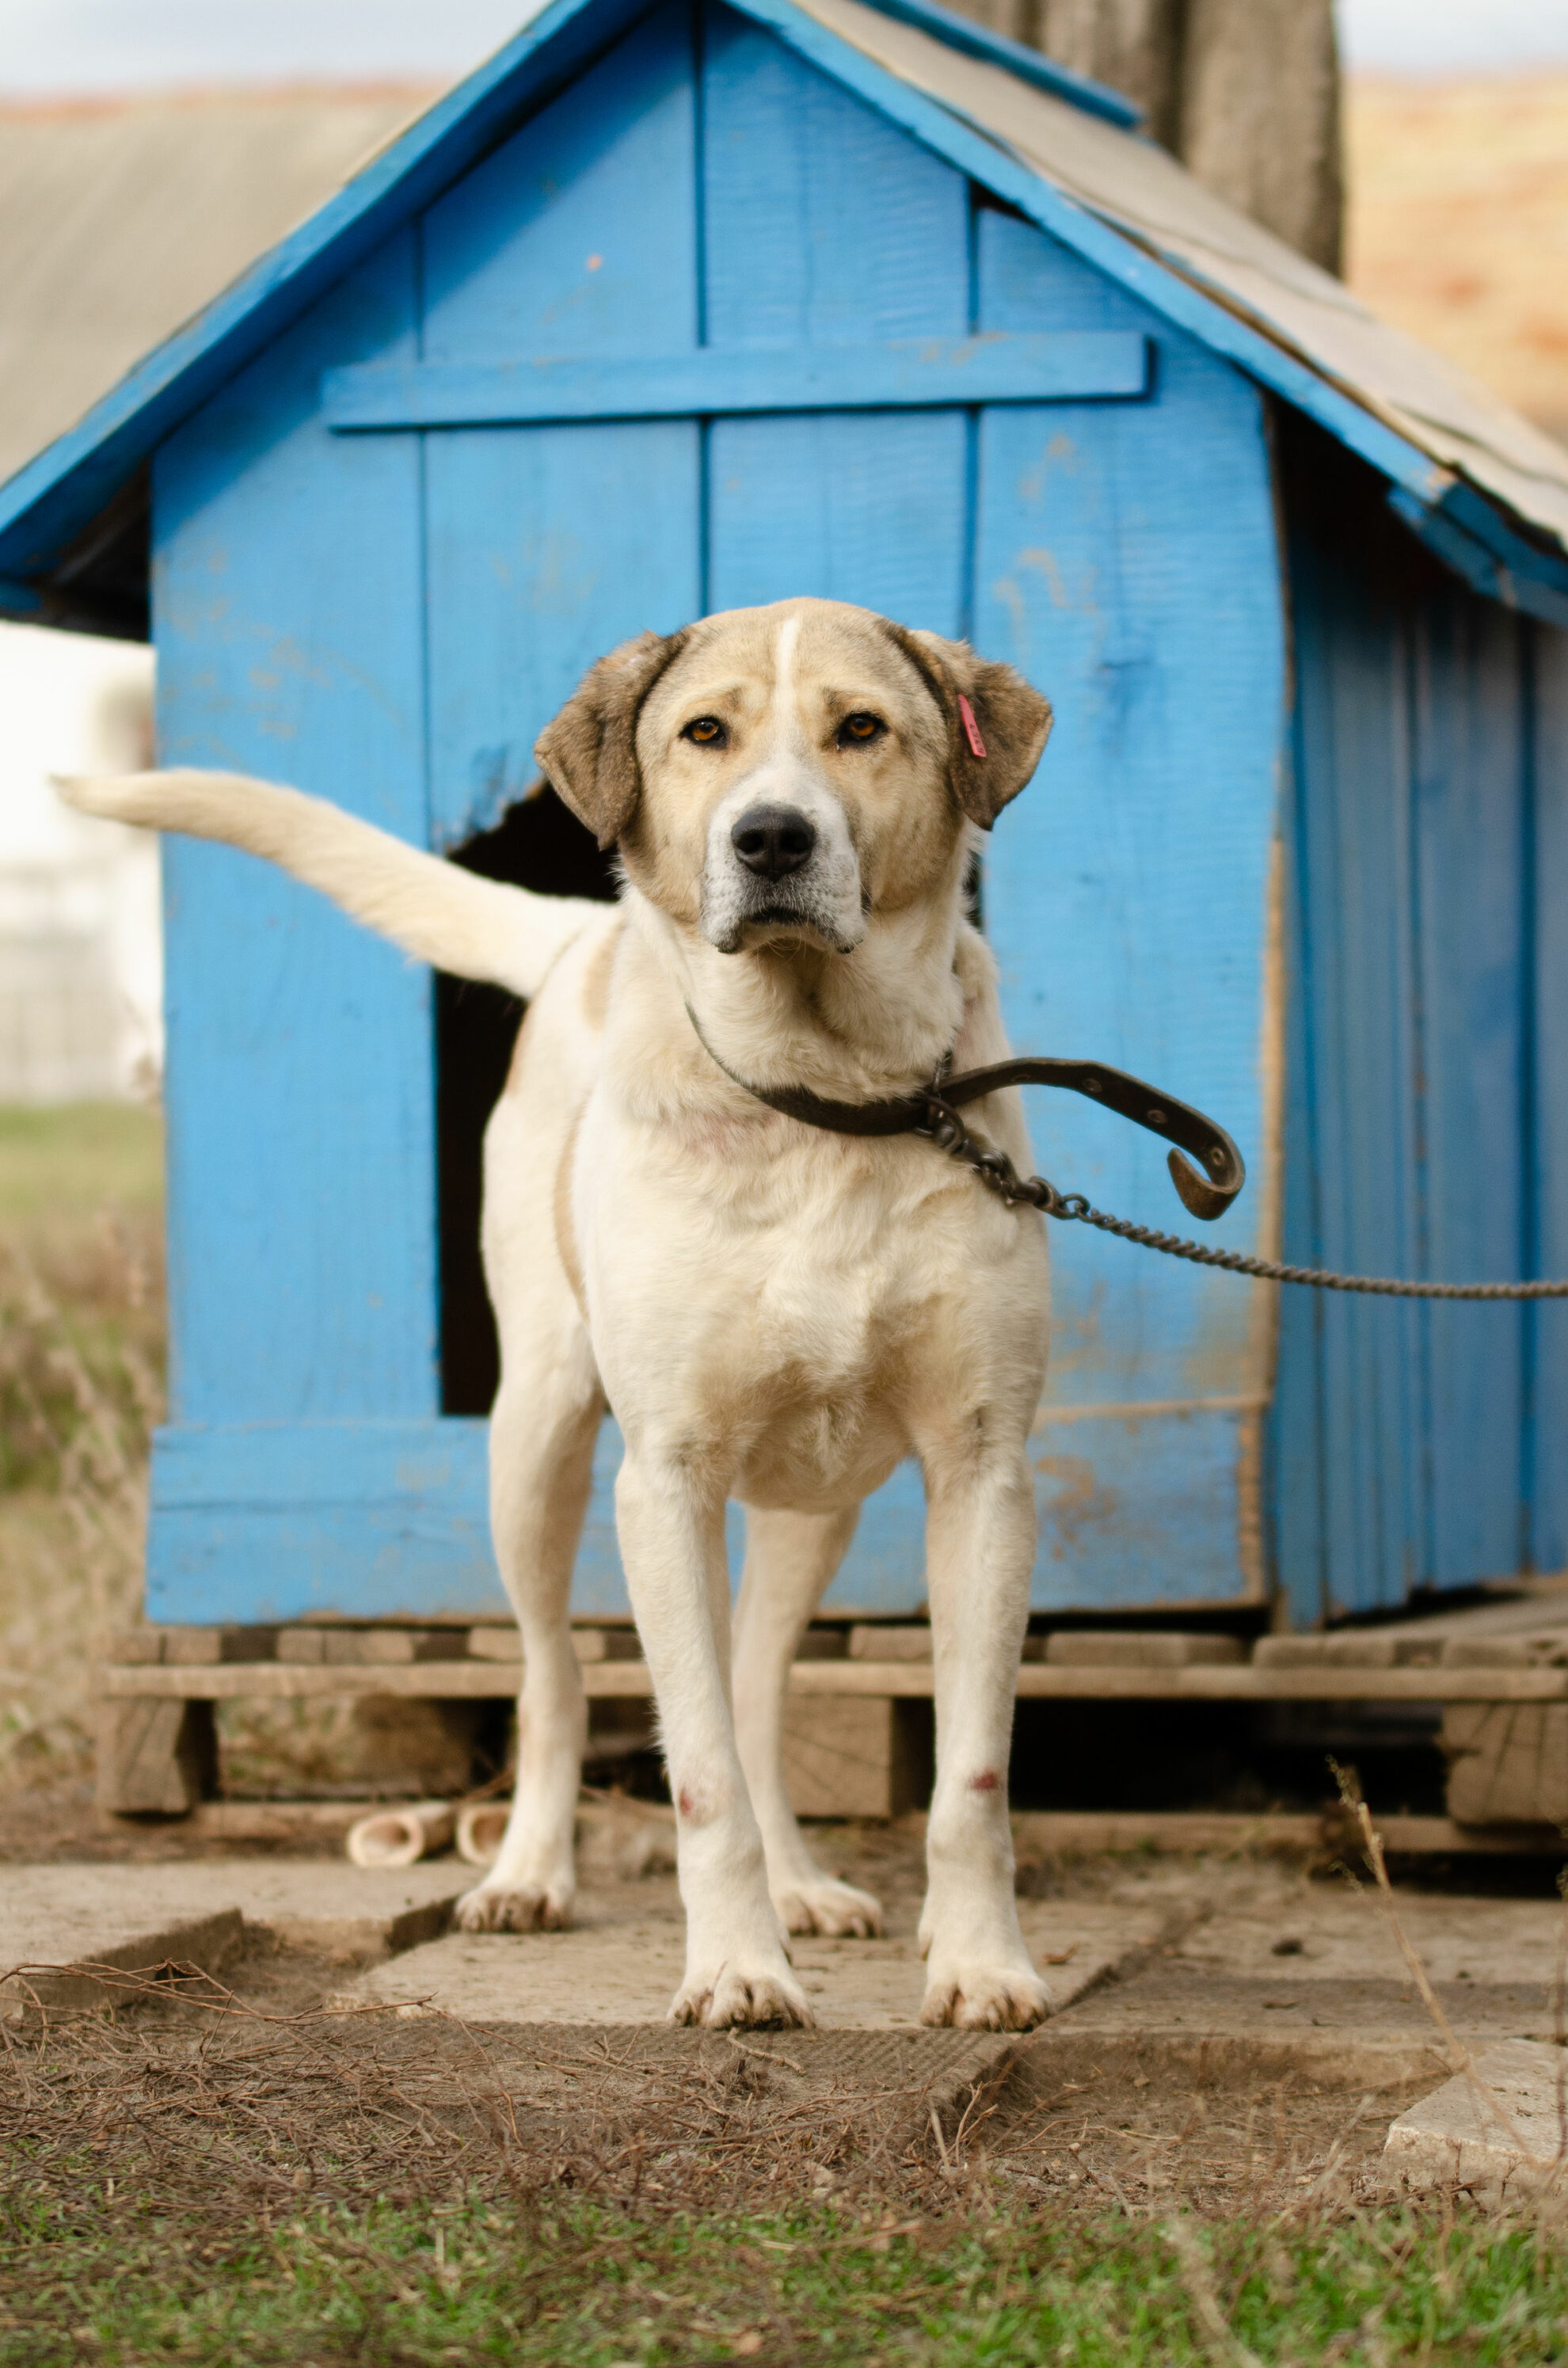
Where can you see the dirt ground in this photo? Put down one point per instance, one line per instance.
(258, 2090)
(256, 2093)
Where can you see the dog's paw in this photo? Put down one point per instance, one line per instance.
(514, 1907)
(821, 1905)
(759, 1997)
(986, 1998)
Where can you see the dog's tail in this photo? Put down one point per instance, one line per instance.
(449, 917)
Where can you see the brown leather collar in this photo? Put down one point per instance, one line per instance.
(1207, 1194)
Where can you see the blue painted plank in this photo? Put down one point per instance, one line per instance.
(905, 373)
(1354, 865)
(375, 1520)
(1296, 1541)
(548, 545)
(578, 235)
(378, 1519)
(1142, 1510)
(367, 1518)
(823, 226)
(1130, 266)
(1471, 836)
(1414, 1024)
(1548, 1323)
(867, 509)
(300, 1118)
(1532, 578)
(1127, 889)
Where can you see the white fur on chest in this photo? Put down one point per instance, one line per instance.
(801, 1289)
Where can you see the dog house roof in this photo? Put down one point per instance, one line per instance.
(1485, 490)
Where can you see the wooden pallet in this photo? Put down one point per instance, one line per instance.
(850, 1745)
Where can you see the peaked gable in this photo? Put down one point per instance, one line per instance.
(1485, 493)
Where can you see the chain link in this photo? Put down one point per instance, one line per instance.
(997, 1172)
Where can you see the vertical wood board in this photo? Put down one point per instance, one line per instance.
(1546, 670)
(549, 545)
(287, 625)
(1402, 1435)
(1126, 562)
(1354, 866)
(1472, 892)
(822, 225)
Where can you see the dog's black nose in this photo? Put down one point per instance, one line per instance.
(772, 840)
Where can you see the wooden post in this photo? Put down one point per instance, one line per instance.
(1134, 45)
(1260, 116)
(1245, 92)
(155, 1759)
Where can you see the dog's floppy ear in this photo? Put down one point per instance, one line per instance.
(997, 723)
(589, 753)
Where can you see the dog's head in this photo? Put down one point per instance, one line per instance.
(779, 774)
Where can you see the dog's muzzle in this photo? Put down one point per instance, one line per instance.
(774, 864)
(773, 841)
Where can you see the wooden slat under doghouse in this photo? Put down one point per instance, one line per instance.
(1500, 1673)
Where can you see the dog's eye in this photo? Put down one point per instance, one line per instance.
(858, 730)
(707, 731)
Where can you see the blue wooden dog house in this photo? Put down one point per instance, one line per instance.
(668, 310)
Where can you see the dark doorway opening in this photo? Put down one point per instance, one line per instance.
(536, 844)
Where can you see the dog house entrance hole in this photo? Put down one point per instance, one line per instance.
(536, 844)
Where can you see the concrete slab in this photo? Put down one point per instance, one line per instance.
(1502, 2136)
(143, 1915)
(1321, 1933)
(623, 1960)
(1287, 1977)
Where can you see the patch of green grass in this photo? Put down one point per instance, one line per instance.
(582, 2286)
(81, 1385)
(72, 1161)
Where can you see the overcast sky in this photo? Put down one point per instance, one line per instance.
(102, 45)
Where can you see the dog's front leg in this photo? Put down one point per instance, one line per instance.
(980, 1553)
(672, 1544)
(790, 1557)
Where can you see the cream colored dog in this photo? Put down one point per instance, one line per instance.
(775, 1314)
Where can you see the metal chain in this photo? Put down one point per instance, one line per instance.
(997, 1173)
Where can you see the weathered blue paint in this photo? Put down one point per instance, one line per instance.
(1545, 1331)
(549, 546)
(791, 343)
(723, 190)
(1417, 1446)
(908, 374)
(288, 613)
(266, 1521)
(1127, 892)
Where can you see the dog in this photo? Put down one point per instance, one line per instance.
(775, 1314)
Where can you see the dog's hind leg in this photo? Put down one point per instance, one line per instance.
(542, 1452)
(790, 1557)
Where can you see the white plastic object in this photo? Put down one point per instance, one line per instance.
(400, 1837)
(480, 1828)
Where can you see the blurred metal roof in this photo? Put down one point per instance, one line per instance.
(119, 219)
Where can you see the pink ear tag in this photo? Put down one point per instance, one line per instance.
(972, 729)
